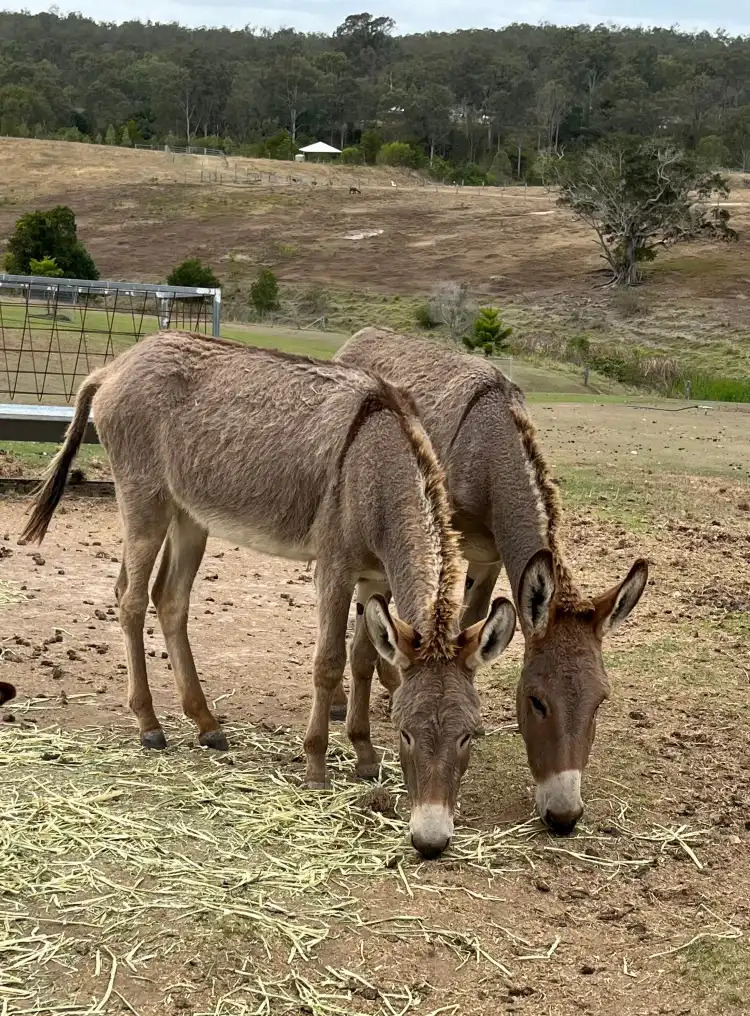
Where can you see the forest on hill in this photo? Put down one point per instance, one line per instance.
(493, 99)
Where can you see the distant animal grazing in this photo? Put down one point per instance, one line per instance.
(354, 190)
(507, 510)
(307, 460)
(7, 692)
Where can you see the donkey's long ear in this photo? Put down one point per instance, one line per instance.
(612, 607)
(535, 592)
(394, 640)
(481, 644)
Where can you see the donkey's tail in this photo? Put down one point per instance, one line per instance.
(48, 495)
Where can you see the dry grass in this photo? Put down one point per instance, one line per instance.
(34, 169)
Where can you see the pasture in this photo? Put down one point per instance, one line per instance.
(376, 255)
(191, 883)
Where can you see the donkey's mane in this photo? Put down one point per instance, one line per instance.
(567, 594)
(438, 636)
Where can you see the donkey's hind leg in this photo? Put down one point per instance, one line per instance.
(183, 553)
(480, 584)
(145, 524)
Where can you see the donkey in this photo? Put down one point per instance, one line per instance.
(507, 510)
(7, 692)
(306, 460)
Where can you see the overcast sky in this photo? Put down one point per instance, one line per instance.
(420, 16)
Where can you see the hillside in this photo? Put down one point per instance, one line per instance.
(373, 256)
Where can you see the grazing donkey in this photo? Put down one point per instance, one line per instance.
(507, 510)
(7, 692)
(306, 460)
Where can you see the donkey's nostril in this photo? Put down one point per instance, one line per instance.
(430, 849)
(562, 825)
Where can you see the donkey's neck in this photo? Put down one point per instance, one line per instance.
(524, 503)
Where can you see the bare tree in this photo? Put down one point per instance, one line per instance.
(641, 196)
(452, 305)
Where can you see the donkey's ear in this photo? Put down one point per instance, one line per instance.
(395, 641)
(481, 644)
(535, 592)
(612, 607)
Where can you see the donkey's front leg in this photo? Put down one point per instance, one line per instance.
(362, 658)
(334, 594)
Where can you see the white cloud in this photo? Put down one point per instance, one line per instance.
(445, 15)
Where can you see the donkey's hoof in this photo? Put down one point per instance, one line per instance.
(215, 739)
(316, 784)
(338, 711)
(154, 740)
(480, 732)
(371, 771)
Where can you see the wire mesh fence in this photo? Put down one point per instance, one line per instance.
(53, 332)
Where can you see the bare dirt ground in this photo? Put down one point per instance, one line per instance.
(645, 911)
(141, 212)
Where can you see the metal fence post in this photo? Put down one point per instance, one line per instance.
(216, 314)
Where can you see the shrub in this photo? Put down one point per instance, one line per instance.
(489, 335)
(578, 349)
(315, 300)
(50, 234)
(425, 317)
(352, 156)
(451, 305)
(193, 273)
(398, 153)
(264, 292)
(45, 267)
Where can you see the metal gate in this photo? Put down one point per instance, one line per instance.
(53, 332)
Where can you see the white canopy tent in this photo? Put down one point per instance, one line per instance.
(320, 148)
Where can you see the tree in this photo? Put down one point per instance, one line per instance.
(110, 138)
(193, 273)
(738, 136)
(451, 305)
(489, 334)
(125, 139)
(264, 292)
(51, 234)
(640, 196)
(371, 142)
(712, 153)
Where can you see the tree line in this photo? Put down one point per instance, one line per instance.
(500, 102)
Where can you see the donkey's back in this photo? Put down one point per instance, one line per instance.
(243, 439)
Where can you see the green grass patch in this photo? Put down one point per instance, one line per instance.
(34, 457)
(720, 968)
(719, 389)
(611, 497)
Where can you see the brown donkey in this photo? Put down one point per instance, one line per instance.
(506, 508)
(307, 460)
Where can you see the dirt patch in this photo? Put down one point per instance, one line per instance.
(140, 213)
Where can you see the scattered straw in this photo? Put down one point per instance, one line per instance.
(119, 865)
(10, 593)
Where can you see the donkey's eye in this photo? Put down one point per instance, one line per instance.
(537, 705)
(464, 742)
(407, 740)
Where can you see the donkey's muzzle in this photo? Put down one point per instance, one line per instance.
(429, 849)
(431, 828)
(562, 825)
